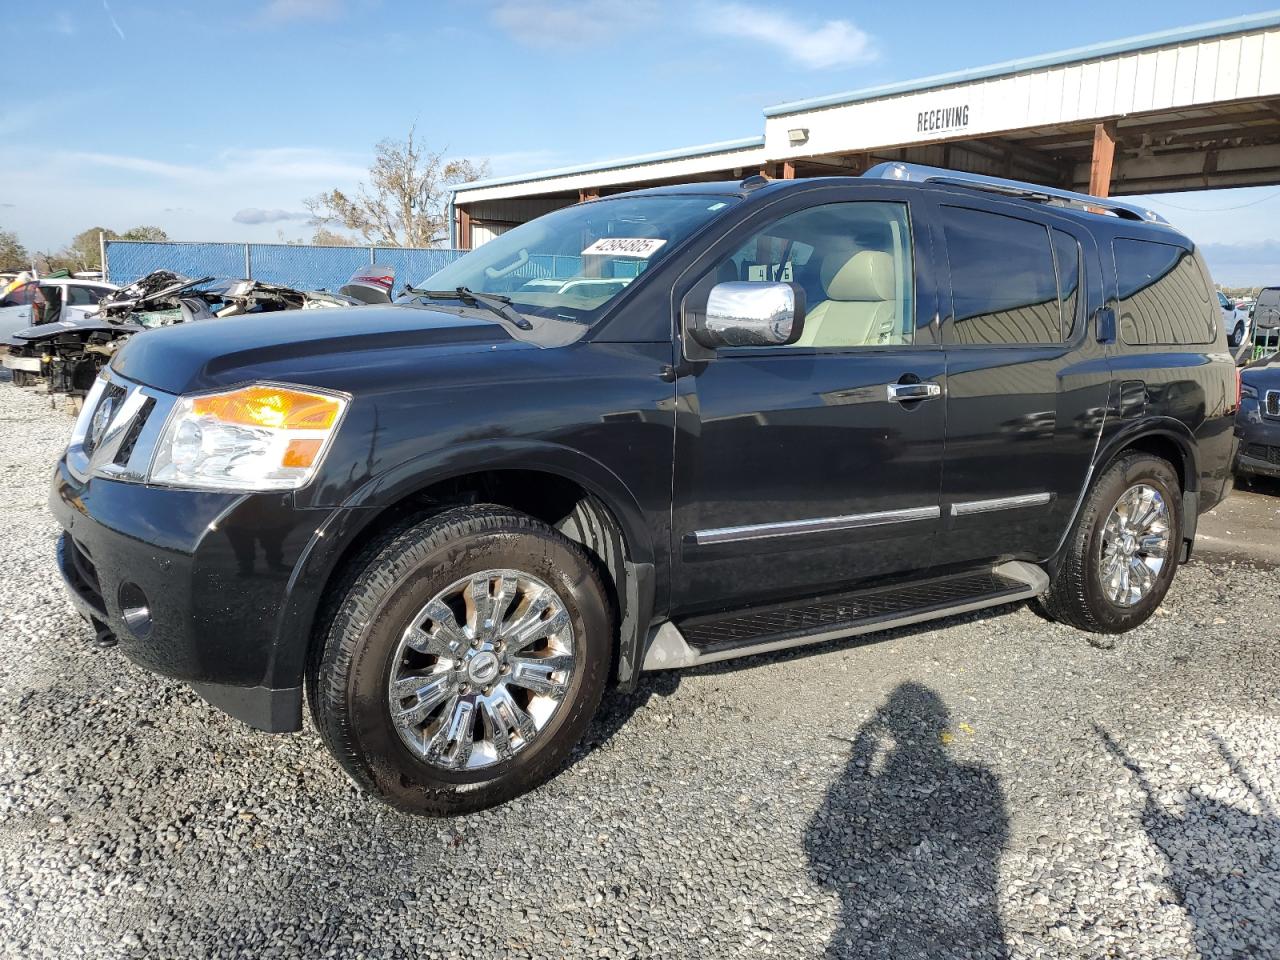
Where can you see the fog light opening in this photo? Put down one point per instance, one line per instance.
(136, 609)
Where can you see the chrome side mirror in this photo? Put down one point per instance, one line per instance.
(743, 314)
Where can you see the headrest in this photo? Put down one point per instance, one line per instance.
(866, 275)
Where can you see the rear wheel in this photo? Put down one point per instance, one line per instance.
(464, 660)
(1122, 552)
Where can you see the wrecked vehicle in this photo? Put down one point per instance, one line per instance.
(68, 347)
(373, 284)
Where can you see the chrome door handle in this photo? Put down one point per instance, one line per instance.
(903, 392)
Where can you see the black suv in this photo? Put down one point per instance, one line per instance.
(646, 432)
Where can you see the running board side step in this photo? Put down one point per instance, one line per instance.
(763, 629)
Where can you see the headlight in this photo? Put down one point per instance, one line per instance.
(259, 437)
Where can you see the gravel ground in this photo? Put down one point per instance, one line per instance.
(994, 785)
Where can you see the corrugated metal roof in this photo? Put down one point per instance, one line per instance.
(1146, 41)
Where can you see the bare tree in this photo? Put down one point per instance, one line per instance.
(404, 203)
(324, 237)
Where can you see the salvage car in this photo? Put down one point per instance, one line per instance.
(1258, 420)
(69, 344)
(17, 306)
(807, 409)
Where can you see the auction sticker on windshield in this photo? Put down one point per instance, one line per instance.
(625, 247)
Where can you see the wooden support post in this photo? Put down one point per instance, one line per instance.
(588, 193)
(464, 229)
(1104, 155)
(788, 169)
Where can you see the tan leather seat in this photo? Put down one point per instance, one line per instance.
(860, 307)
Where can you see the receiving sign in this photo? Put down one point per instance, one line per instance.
(644, 247)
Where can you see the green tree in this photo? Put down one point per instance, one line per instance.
(405, 202)
(84, 252)
(154, 234)
(12, 252)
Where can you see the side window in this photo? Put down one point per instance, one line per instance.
(83, 296)
(1004, 285)
(853, 261)
(1163, 295)
(1066, 253)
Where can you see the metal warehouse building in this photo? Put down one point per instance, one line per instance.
(1188, 109)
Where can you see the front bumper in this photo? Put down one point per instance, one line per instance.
(1259, 437)
(194, 585)
(28, 364)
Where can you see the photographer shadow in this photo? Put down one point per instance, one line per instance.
(910, 840)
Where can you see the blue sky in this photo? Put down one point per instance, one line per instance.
(185, 114)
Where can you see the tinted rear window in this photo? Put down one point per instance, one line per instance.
(1164, 298)
(1003, 282)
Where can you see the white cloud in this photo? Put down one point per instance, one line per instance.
(570, 23)
(832, 43)
(258, 215)
(285, 11)
(277, 164)
(192, 199)
(112, 17)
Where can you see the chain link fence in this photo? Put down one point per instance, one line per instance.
(300, 266)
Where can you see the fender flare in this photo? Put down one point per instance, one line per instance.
(401, 481)
(1164, 427)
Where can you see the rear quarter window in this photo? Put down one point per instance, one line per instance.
(1164, 295)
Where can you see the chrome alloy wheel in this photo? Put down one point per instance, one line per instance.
(481, 669)
(1135, 545)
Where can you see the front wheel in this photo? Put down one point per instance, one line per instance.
(1237, 335)
(1122, 552)
(464, 661)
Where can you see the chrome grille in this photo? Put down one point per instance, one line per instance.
(117, 429)
(1273, 403)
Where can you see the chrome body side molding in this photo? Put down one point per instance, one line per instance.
(791, 528)
(999, 503)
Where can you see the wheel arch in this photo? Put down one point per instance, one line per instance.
(1170, 440)
(562, 487)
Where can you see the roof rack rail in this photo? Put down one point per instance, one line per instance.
(919, 173)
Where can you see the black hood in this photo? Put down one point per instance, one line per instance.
(287, 344)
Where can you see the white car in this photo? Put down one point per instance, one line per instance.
(78, 297)
(15, 308)
(1234, 320)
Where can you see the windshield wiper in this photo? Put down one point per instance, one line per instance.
(490, 301)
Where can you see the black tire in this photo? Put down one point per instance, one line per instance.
(391, 579)
(1075, 595)
(1237, 335)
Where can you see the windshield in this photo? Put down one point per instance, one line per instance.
(571, 263)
